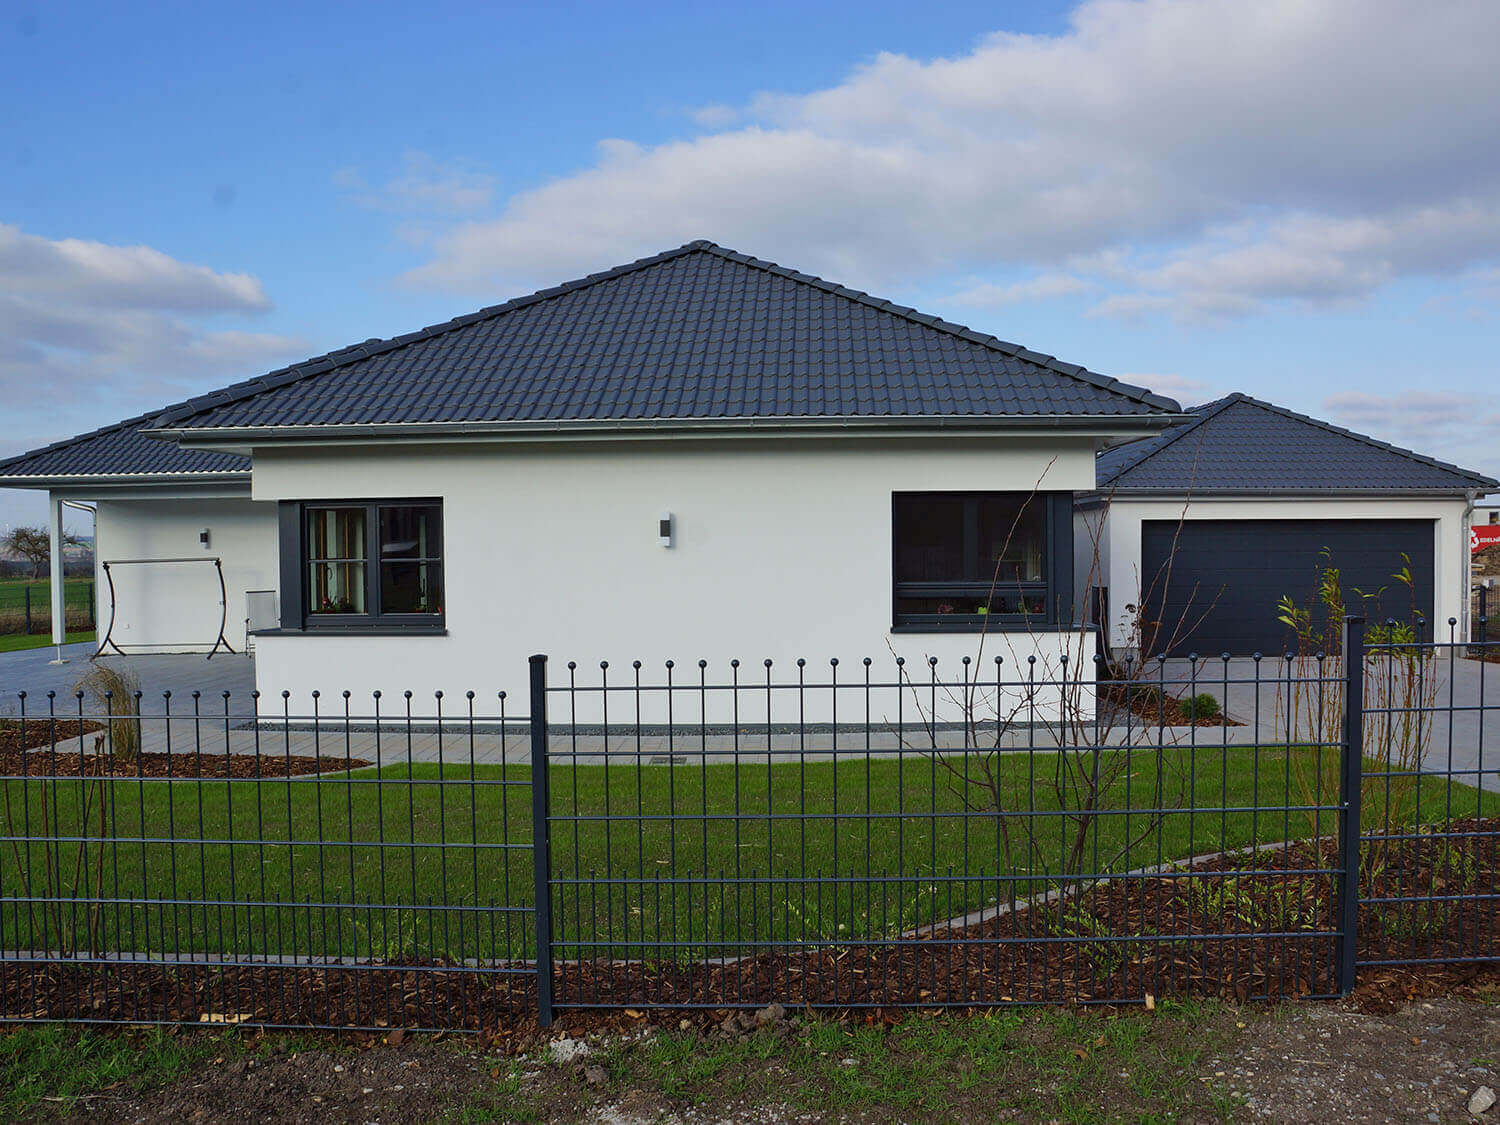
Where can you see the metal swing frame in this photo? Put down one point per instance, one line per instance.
(109, 629)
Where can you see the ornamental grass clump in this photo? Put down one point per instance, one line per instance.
(113, 693)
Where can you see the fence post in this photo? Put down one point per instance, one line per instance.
(1351, 783)
(541, 850)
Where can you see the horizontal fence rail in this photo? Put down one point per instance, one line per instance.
(880, 835)
(206, 860)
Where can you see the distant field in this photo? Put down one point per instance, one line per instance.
(13, 592)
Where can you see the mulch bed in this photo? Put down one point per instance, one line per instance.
(39, 758)
(47, 763)
(1156, 710)
(1241, 927)
(41, 732)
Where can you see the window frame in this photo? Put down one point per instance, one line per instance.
(295, 518)
(1055, 588)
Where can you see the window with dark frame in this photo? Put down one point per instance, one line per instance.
(966, 561)
(372, 563)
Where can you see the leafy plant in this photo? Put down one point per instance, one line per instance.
(1200, 706)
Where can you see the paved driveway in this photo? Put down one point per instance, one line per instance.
(1465, 737)
(1462, 699)
(31, 671)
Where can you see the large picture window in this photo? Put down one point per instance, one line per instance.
(965, 561)
(365, 564)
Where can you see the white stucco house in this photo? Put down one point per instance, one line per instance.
(698, 455)
(1192, 536)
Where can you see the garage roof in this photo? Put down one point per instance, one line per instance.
(1241, 444)
(696, 333)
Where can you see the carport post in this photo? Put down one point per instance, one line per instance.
(59, 613)
(541, 851)
(1351, 782)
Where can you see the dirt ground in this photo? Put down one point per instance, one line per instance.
(1335, 1063)
(1393, 1056)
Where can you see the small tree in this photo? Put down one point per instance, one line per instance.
(34, 544)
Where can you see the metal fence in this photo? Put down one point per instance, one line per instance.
(878, 836)
(26, 607)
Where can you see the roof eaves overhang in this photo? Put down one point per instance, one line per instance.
(1082, 425)
(125, 480)
(1179, 496)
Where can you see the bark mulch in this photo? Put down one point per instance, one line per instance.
(41, 732)
(47, 763)
(1148, 705)
(1241, 927)
(68, 748)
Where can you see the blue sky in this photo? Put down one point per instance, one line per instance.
(1297, 200)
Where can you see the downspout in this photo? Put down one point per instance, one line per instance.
(1467, 565)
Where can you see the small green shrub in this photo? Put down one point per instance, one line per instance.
(1200, 706)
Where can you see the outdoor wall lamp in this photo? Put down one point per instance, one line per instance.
(664, 529)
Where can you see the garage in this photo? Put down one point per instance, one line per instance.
(1193, 535)
(1219, 591)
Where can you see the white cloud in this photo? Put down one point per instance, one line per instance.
(423, 185)
(715, 116)
(95, 274)
(987, 294)
(1455, 426)
(1314, 259)
(91, 332)
(1283, 150)
(1185, 389)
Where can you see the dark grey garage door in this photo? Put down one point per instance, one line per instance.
(1220, 592)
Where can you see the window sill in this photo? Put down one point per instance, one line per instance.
(357, 631)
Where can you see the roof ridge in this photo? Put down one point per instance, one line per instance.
(929, 320)
(319, 365)
(1175, 434)
(1410, 454)
(352, 353)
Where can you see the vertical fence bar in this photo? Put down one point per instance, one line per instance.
(1352, 781)
(541, 851)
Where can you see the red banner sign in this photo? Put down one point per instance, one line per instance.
(1482, 535)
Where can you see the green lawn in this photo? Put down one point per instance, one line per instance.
(13, 635)
(16, 642)
(189, 848)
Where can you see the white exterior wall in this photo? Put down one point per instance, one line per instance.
(1122, 537)
(783, 550)
(174, 607)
